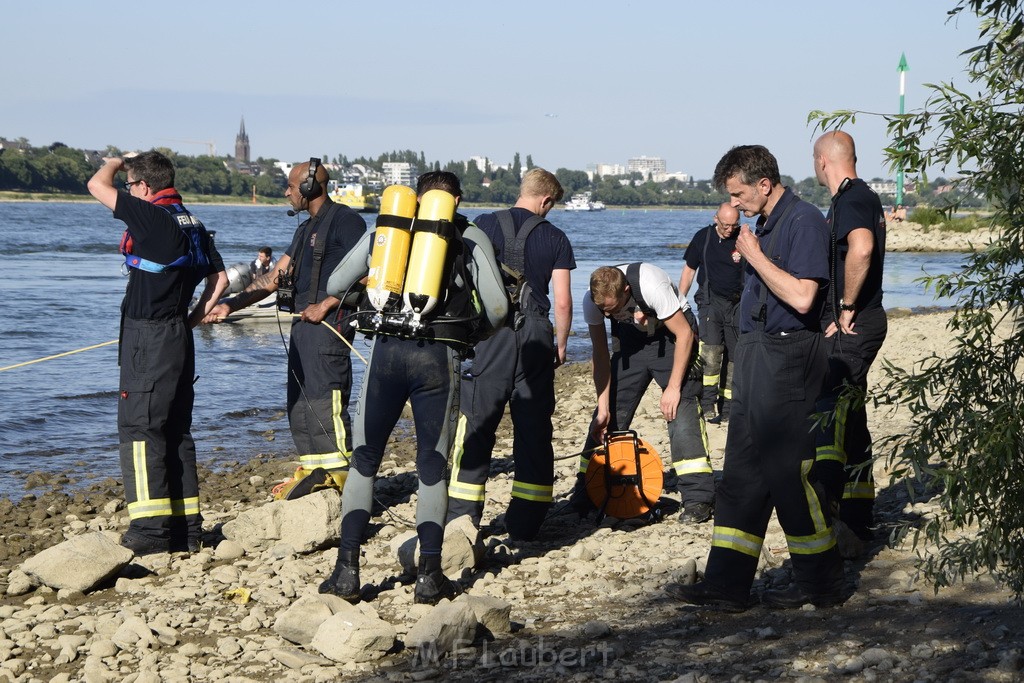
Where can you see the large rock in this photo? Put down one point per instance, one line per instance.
(448, 625)
(300, 621)
(352, 635)
(306, 524)
(463, 548)
(492, 613)
(80, 563)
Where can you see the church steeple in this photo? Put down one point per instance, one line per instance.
(242, 144)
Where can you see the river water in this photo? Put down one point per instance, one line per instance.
(64, 285)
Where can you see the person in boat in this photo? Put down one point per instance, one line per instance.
(263, 264)
(415, 360)
(167, 253)
(712, 258)
(517, 365)
(319, 364)
(656, 337)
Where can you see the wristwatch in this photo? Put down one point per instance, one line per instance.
(843, 306)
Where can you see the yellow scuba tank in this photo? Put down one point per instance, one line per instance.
(431, 233)
(391, 242)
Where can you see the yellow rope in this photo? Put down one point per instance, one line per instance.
(59, 355)
(347, 342)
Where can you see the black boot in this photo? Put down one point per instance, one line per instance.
(580, 501)
(344, 580)
(432, 586)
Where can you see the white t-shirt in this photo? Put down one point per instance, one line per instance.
(659, 293)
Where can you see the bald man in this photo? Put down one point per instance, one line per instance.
(319, 365)
(855, 326)
(712, 257)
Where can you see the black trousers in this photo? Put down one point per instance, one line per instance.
(154, 425)
(514, 368)
(425, 373)
(637, 361)
(844, 444)
(319, 390)
(718, 334)
(769, 454)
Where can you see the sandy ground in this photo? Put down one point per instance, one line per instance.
(590, 591)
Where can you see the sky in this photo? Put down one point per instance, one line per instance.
(570, 83)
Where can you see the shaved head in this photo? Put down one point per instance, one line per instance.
(727, 213)
(837, 146)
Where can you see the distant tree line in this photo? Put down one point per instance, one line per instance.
(62, 169)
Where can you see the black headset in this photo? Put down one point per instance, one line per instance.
(310, 189)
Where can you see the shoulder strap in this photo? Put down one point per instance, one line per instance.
(633, 279)
(704, 264)
(319, 247)
(515, 243)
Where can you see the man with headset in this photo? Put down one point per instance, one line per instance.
(319, 365)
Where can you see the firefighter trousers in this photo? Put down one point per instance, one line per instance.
(634, 365)
(319, 390)
(154, 424)
(514, 368)
(769, 453)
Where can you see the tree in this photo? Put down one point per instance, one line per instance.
(965, 441)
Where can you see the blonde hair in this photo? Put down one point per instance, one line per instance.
(540, 183)
(607, 282)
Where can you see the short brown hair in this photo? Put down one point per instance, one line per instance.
(540, 183)
(607, 281)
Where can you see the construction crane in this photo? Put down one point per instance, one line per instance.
(209, 144)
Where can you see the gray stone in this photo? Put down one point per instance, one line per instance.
(19, 583)
(300, 621)
(463, 548)
(306, 524)
(296, 659)
(493, 613)
(354, 636)
(447, 625)
(79, 563)
(229, 550)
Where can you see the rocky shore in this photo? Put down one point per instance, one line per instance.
(583, 602)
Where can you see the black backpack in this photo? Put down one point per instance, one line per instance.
(513, 266)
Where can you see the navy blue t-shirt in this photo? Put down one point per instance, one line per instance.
(800, 248)
(547, 249)
(723, 271)
(858, 207)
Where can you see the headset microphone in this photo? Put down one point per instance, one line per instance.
(292, 213)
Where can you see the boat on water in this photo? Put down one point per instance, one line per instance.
(356, 196)
(264, 311)
(583, 201)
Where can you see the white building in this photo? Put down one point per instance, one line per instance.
(650, 167)
(399, 173)
(883, 186)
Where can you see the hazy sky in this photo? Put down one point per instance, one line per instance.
(571, 83)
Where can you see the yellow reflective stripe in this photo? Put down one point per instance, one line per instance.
(337, 408)
(703, 432)
(458, 447)
(811, 545)
(693, 466)
(141, 471)
(328, 461)
(537, 492)
(830, 452)
(160, 507)
(727, 392)
(185, 506)
(734, 539)
(463, 491)
(584, 463)
(813, 502)
(712, 380)
(861, 490)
